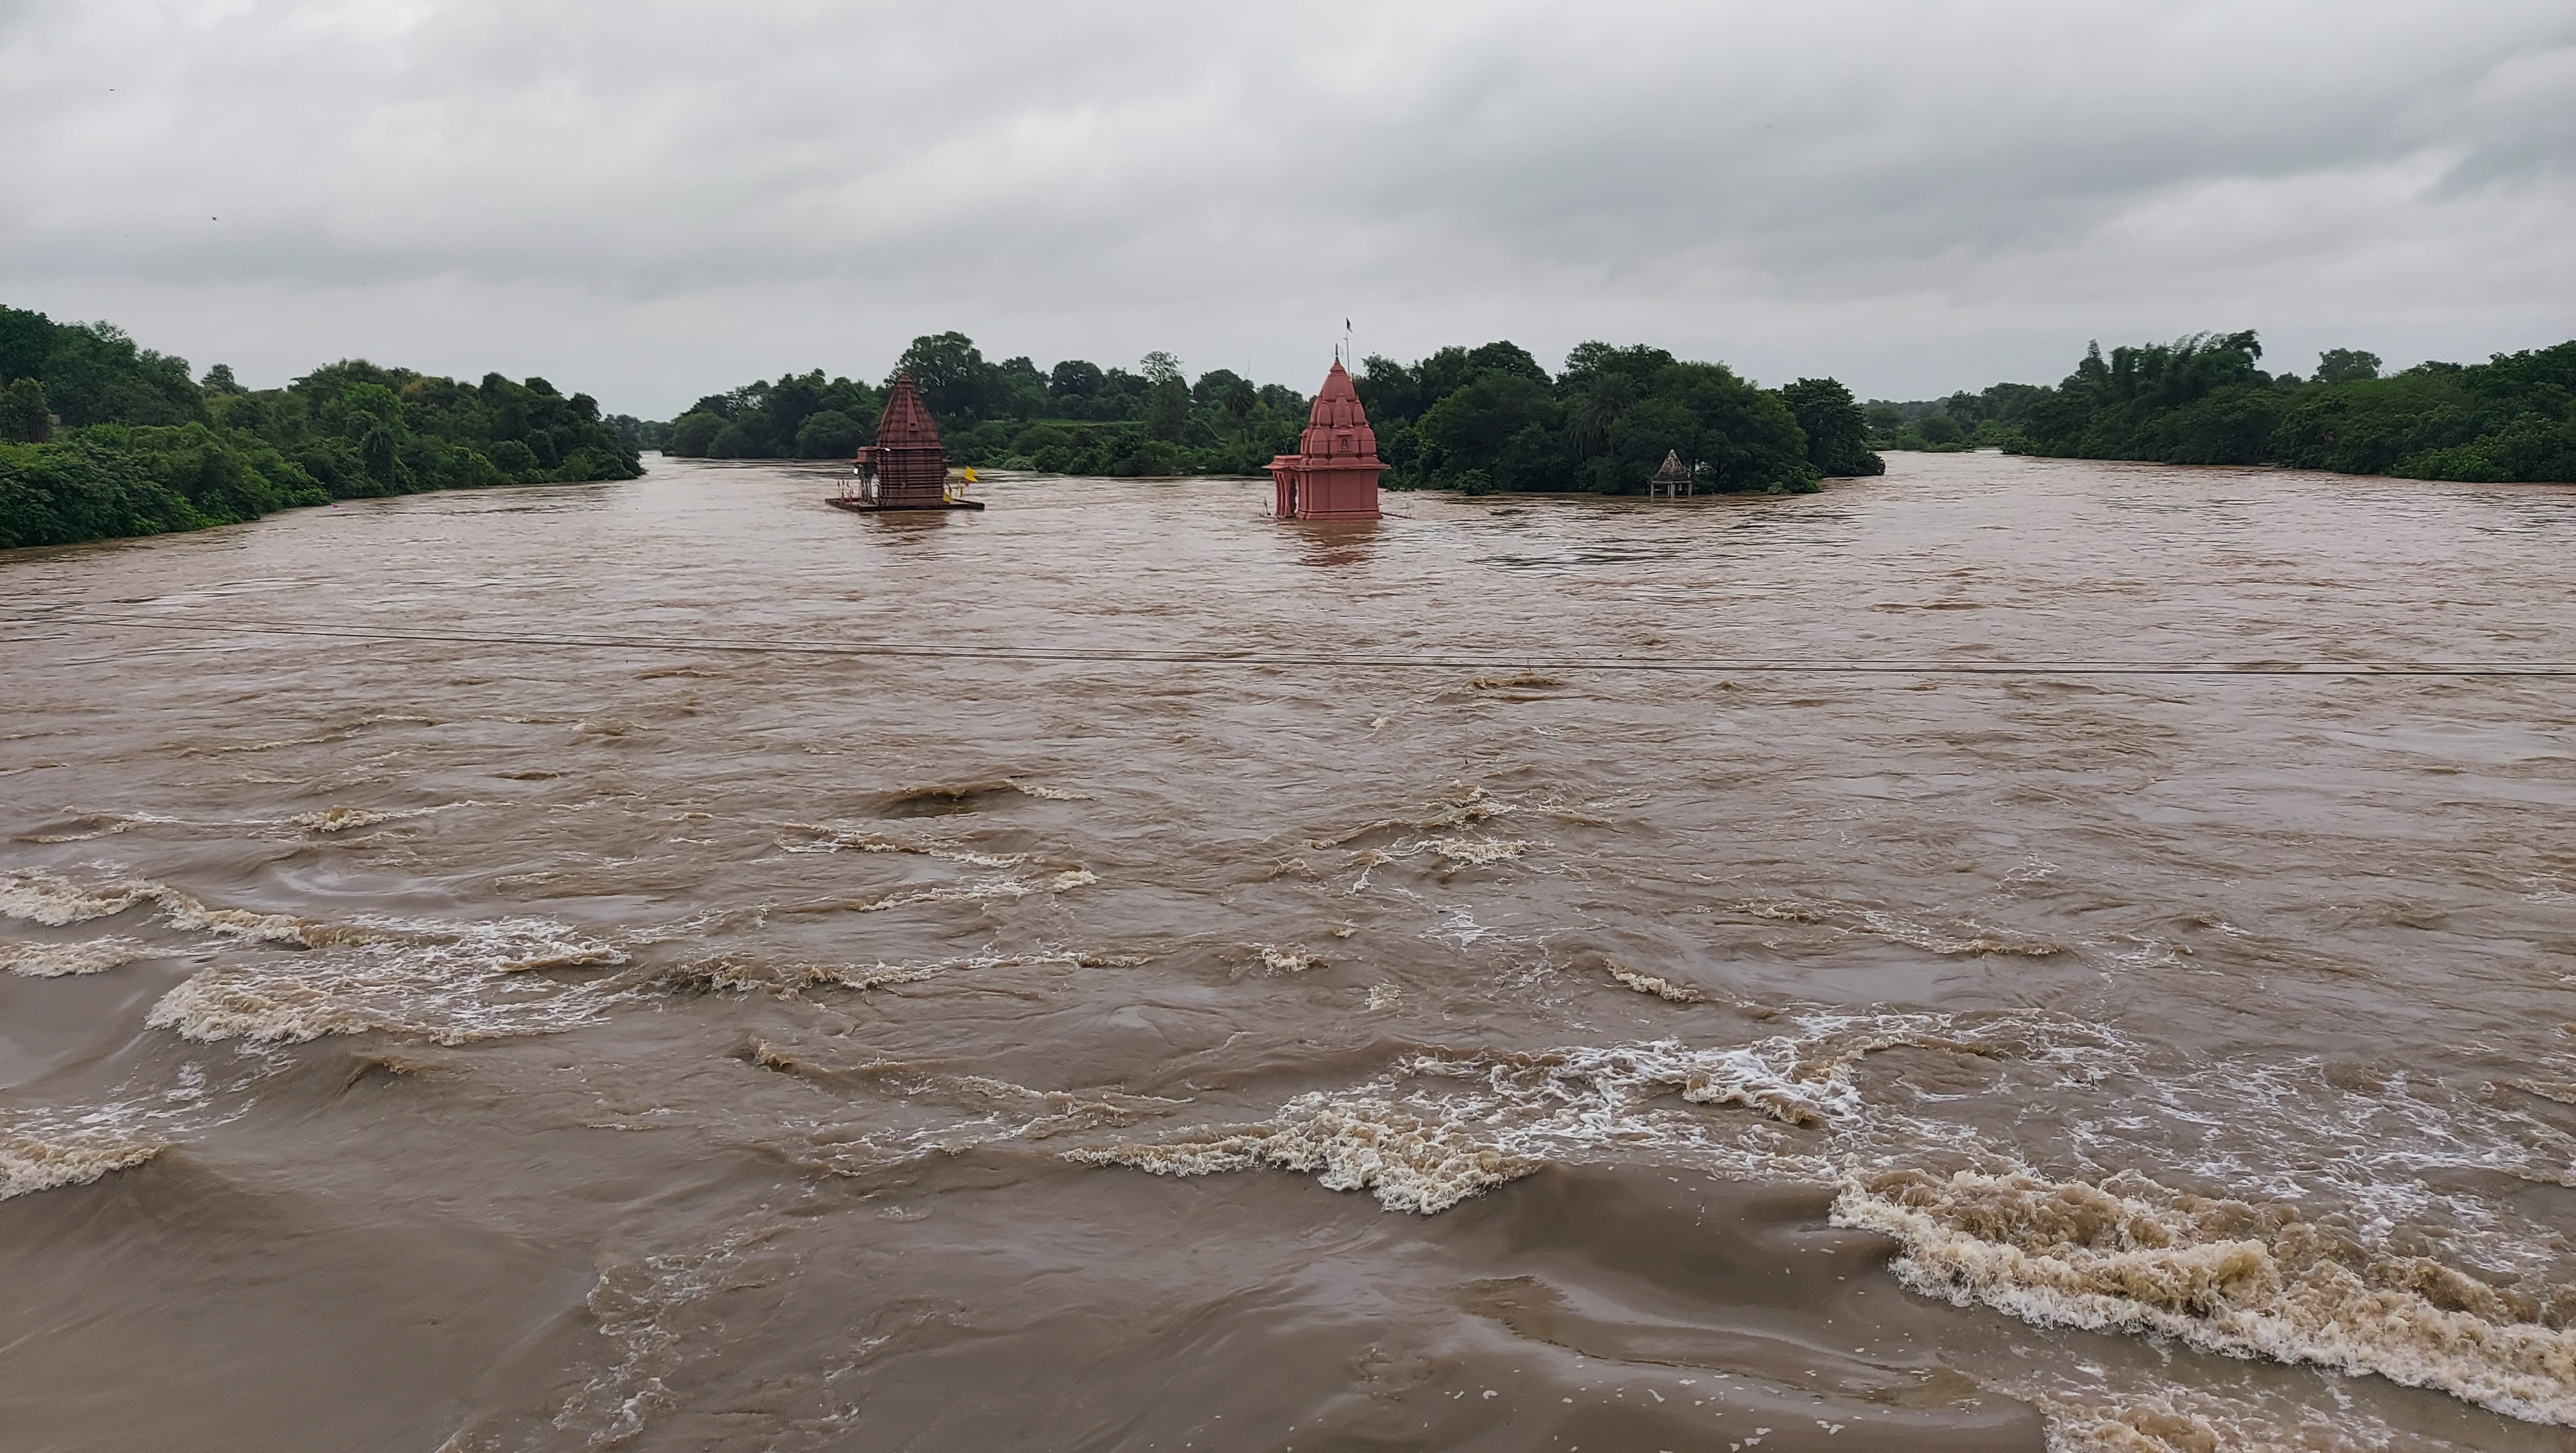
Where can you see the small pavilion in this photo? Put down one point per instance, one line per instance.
(1334, 473)
(1673, 480)
(905, 469)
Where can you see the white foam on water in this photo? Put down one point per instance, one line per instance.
(1443, 1126)
(1475, 805)
(635, 1304)
(826, 837)
(1003, 889)
(63, 960)
(2261, 1276)
(32, 1161)
(1464, 852)
(1280, 959)
(1423, 1164)
(1052, 1112)
(735, 973)
(56, 1147)
(2221, 1275)
(56, 902)
(447, 984)
(46, 898)
(102, 825)
(1661, 988)
(1051, 794)
(2141, 1412)
(1861, 921)
(345, 819)
(341, 819)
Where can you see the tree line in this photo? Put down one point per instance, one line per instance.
(1075, 418)
(101, 438)
(1480, 420)
(1492, 419)
(2205, 399)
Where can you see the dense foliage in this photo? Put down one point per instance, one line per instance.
(100, 438)
(2204, 399)
(1076, 418)
(1488, 418)
(1491, 418)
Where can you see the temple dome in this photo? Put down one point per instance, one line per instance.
(1337, 427)
(906, 422)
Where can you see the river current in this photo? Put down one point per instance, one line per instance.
(668, 965)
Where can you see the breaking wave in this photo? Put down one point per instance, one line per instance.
(1445, 1125)
(743, 973)
(56, 902)
(1280, 959)
(31, 1162)
(40, 897)
(345, 819)
(447, 985)
(815, 837)
(1880, 924)
(2222, 1275)
(2246, 1277)
(63, 960)
(1419, 1163)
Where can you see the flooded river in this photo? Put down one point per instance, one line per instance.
(671, 966)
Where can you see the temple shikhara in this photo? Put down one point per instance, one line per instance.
(1333, 475)
(906, 469)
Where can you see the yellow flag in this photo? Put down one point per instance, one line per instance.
(969, 473)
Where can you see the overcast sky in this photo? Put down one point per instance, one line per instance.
(651, 199)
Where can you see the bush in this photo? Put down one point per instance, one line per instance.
(830, 434)
(693, 434)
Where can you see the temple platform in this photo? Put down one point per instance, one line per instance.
(866, 507)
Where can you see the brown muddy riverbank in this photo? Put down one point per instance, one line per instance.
(470, 1043)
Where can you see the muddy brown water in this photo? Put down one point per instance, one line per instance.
(624, 1039)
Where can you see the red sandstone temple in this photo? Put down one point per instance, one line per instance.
(1333, 475)
(905, 469)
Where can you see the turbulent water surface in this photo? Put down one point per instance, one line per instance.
(536, 1018)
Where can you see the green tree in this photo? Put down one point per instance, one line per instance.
(693, 433)
(26, 417)
(2346, 365)
(1168, 397)
(1239, 401)
(1498, 428)
(1837, 432)
(1020, 391)
(829, 434)
(952, 375)
(1072, 386)
(96, 375)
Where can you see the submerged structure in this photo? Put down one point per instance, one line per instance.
(1334, 473)
(1673, 480)
(905, 469)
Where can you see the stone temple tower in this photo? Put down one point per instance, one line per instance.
(1333, 475)
(906, 469)
(908, 466)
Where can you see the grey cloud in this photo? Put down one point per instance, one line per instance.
(1916, 196)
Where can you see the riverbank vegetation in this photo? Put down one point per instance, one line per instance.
(1076, 418)
(101, 438)
(1491, 419)
(1481, 420)
(2205, 399)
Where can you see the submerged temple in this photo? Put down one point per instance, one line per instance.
(1672, 481)
(1334, 473)
(905, 469)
